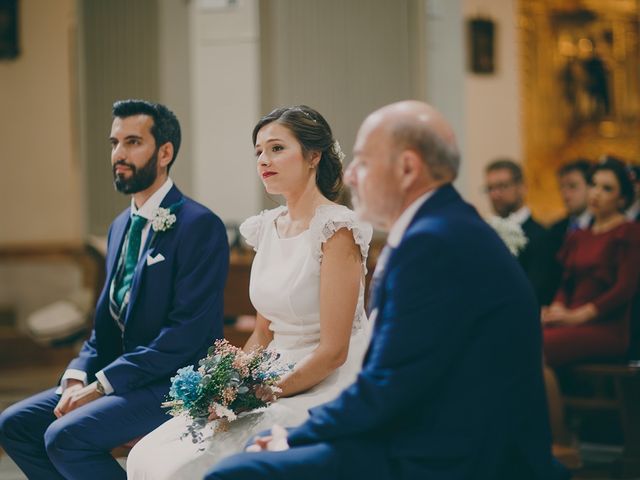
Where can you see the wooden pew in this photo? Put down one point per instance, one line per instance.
(616, 388)
(623, 397)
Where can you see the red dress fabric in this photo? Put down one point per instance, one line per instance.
(603, 269)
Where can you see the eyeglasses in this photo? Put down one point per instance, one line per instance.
(498, 187)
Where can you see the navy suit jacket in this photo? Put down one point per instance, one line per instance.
(452, 384)
(175, 308)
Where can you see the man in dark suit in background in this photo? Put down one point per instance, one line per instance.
(633, 212)
(160, 309)
(506, 189)
(574, 188)
(451, 386)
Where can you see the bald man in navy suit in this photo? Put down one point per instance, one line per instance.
(451, 386)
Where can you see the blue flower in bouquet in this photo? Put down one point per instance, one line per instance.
(185, 386)
(227, 383)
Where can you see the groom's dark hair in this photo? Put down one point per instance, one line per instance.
(166, 127)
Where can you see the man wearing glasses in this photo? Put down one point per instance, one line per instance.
(506, 190)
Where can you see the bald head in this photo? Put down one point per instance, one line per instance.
(414, 125)
(402, 151)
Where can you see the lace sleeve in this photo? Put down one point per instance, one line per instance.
(250, 229)
(254, 227)
(331, 218)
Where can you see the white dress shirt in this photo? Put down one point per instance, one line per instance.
(520, 216)
(583, 221)
(394, 238)
(633, 211)
(402, 223)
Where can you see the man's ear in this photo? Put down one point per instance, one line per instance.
(411, 167)
(165, 154)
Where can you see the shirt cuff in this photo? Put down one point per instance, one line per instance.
(102, 378)
(71, 374)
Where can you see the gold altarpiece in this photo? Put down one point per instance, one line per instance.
(580, 74)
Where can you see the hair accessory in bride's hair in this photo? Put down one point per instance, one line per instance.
(337, 151)
(305, 113)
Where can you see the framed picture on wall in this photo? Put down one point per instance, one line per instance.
(8, 29)
(481, 33)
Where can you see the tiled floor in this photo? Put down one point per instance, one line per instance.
(16, 384)
(9, 470)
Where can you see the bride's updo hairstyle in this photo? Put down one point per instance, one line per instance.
(314, 135)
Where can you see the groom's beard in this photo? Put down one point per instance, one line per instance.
(140, 179)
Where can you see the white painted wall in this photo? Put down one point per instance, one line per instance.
(445, 74)
(225, 81)
(41, 175)
(492, 102)
(215, 88)
(484, 110)
(174, 81)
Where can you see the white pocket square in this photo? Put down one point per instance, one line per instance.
(153, 260)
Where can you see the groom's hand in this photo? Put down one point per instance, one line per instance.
(72, 386)
(75, 396)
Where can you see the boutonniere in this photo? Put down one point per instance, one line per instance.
(510, 232)
(162, 219)
(165, 218)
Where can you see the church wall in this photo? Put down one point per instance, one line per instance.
(40, 183)
(492, 101)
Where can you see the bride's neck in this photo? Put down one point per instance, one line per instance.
(302, 204)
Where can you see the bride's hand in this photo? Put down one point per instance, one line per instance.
(266, 394)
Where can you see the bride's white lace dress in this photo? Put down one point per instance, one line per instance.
(285, 288)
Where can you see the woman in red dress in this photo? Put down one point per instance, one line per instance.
(590, 314)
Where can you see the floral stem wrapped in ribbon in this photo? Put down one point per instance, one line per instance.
(227, 382)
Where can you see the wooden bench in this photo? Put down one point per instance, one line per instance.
(617, 389)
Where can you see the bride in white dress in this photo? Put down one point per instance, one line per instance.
(307, 285)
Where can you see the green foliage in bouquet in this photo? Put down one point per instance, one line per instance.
(225, 385)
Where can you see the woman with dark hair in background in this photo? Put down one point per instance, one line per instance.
(307, 284)
(590, 314)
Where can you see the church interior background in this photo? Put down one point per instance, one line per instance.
(539, 81)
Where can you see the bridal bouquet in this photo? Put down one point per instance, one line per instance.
(510, 232)
(227, 382)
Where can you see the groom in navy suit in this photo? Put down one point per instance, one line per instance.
(160, 309)
(451, 386)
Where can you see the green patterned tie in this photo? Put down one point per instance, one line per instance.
(131, 250)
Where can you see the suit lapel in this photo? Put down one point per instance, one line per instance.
(118, 234)
(441, 197)
(151, 245)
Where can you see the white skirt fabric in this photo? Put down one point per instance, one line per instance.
(163, 454)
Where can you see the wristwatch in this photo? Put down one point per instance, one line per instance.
(100, 388)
